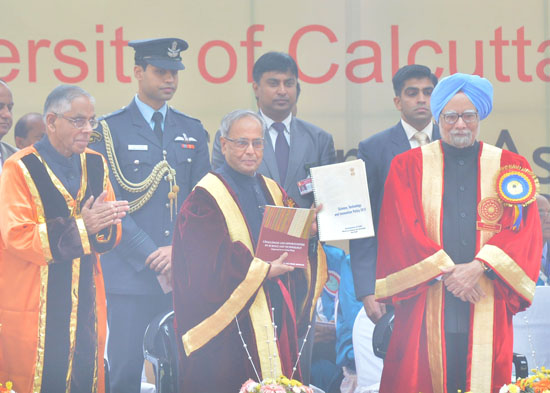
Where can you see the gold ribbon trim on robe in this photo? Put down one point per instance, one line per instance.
(40, 215)
(75, 284)
(414, 275)
(260, 317)
(44, 271)
(432, 201)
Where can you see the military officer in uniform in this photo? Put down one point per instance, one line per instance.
(156, 155)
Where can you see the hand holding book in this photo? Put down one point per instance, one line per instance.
(278, 266)
(285, 230)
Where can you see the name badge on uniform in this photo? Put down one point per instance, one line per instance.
(138, 147)
(305, 186)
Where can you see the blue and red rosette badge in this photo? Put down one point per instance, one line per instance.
(517, 187)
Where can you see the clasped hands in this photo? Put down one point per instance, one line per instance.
(462, 280)
(99, 214)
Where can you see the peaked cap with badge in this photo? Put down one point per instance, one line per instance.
(160, 52)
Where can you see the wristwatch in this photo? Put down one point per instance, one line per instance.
(487, 270)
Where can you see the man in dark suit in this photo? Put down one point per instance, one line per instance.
(6, 121)
(293, 145)
(413, 85)
(156, 155)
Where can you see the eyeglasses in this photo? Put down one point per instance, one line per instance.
(79, 122)
(242, 143)
(452, 117)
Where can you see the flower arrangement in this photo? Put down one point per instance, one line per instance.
(6, 388)
(539, 382)
(280, 385)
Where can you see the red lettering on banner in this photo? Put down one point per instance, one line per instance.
(358, 69)
(119, 43)
(13, 58)
(521, 43)
(479, 58)
(250, 44)
(232, 61)
(100, 56)
(293, 49)
(58, 51)
(376, 60)
(543, 63)
(411, 59)
(394, 49)
(33, 49)
(498, 43)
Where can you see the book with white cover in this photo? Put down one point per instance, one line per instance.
(343, 191)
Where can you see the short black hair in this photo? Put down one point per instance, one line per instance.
(407, 72)
(22, 126)
(274, 61)
(142, 63)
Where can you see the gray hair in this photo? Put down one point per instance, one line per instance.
(232, 117)
(60, 99)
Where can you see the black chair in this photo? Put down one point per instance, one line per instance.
(382, 334)
(160, 348)
(521, 366)
(384, 328)
(107, 376)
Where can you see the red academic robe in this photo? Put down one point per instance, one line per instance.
(52, 300)
(410, 256)
(217, 280)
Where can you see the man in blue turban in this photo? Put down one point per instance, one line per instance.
(458, 251)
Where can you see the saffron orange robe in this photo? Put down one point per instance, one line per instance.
(52, 300)
(410, 259)
(217, 280)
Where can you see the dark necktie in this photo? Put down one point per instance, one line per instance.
(282, 150)
(157, 119)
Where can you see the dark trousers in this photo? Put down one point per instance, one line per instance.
(128, 317)
(456, 345)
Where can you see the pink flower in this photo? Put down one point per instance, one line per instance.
(248, 386)
(272, 389)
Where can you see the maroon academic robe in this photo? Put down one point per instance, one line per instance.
(218, 281)
(410, 256)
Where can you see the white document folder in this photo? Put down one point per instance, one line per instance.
(343, 191)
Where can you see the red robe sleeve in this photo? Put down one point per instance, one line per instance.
(408, 259)
(515, 256)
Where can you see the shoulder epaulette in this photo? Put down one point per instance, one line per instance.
(118, 111)
(182, 114)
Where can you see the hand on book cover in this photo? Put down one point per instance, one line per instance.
(278, 267)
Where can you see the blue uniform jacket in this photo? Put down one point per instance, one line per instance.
(138, 150)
